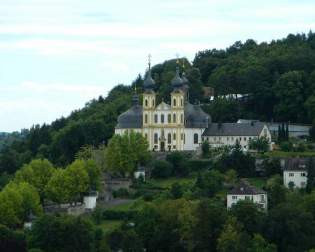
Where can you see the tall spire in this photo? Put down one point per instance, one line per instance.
(149, 83)
(135, 97)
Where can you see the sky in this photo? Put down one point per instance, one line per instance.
(56, 55)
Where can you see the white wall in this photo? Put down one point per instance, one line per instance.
(260, 199)
(90, 201)
(218, 141)
(299, 178)
(189, 138)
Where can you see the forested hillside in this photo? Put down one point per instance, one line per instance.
(278, 76)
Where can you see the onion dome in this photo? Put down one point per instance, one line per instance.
(149, 83)
(185, 81)
(177, 81)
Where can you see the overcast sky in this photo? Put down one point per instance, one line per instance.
(58, 54)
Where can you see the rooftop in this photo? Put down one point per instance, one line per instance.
(244, 188)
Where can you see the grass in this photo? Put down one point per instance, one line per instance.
(257, 182)
(167, 183)
(109, 225)
(284, 154)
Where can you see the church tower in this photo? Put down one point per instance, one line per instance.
(177, 106)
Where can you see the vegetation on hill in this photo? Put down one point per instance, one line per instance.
(278, 76)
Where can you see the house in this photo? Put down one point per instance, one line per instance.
(180, 125)
(245, 191)
(227, 134)
(295, 174)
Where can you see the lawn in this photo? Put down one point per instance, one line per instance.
(284, 154)
(257, 182)
(167, 183)
(109, 225)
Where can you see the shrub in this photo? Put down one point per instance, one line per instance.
(286, 146)
(121, 193)
(162, 169)
(119, 215)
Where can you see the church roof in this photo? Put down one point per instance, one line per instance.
(131, 119)
(195, 117)
(234, 129)
(177, 81)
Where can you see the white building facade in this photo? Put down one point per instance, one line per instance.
(247, 192)
(296, 178)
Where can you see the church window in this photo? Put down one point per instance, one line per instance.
(156, 118)
(145, 118)
(162, 118)
(244, 138)
(174, 102)
(174, 136)
(146, 102)
(169, 118)
(146, 136)
(169, 138)
(155, 138)
(182, 136)
(153, 103)
(181, 118)
(195, 138)
(174, 118)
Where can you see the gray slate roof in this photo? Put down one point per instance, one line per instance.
(195, 117)
(131, 119)
(234, 129)
(296, 164)
(244, 188)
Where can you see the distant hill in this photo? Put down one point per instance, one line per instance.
(279, 76)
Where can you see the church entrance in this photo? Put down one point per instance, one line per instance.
(162, 146)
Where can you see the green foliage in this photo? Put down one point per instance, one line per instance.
(312, 131)
(241, 162)
(272, 167)
(260, 144)
(205, 147)
(62, 233)
(176, 191)
(178, 161)
(37, 173)
(12, 240)
(18, 200)
(162, 169)
(124, 153)
(208, 184)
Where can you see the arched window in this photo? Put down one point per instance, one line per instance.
(169, 118)
(174, 136)
(156, 138)
(155, 118)
(153, 103)
(169, 138)
(145, 118)
(174, 118)
(162, 118)
(174, 102)
(146, 102)
(181, 118)
(195, 138)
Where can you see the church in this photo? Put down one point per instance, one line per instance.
(180, 125)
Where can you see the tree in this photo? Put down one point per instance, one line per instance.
(232, 237)
(209, 184)
(125, 152)
(177, 159)
(258, 243)
(77, 179)
(57, 188)
(260, 144)
(209, 220)
(272, 167)
(276, 191)
(17, 202)
(12, 240)
(176, 191)
(161, 169)
(312, 131)
(310, 107)
(62, 233)
(205, 147)
(37, 173)
(289, 91)
(247, 213)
